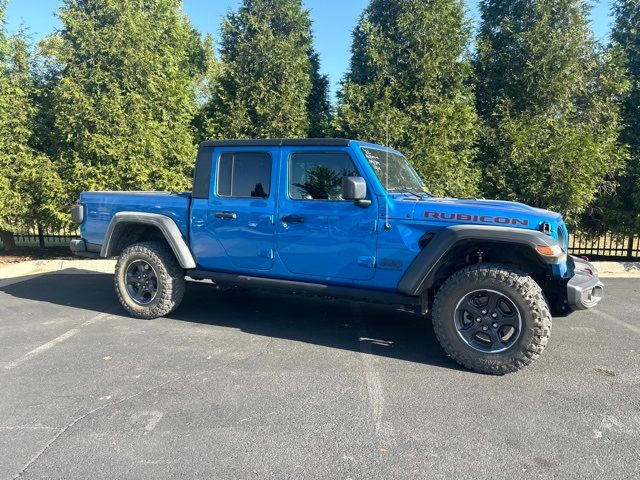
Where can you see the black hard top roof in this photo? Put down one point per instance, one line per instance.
(279, 142)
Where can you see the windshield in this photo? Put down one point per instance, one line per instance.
(394, 171)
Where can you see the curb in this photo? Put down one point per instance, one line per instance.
(618, 269)
(37, 267)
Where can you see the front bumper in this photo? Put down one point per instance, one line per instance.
(584, 289)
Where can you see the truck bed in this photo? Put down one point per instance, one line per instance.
(100, 207)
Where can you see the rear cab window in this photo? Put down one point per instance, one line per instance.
(244, 175)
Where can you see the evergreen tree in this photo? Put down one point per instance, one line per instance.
(125, 95)
(408, 83)
(620, 211)
(36, 181)
(269, 84)
(47, 75)
(8, 197)
(318, 105)
(30, 188)
(206, 89)
(548, 96)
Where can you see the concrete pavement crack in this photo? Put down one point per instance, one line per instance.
(60, 432)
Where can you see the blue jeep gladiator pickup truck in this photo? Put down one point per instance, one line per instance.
(343, 218)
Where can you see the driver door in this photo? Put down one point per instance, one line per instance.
(318, 233)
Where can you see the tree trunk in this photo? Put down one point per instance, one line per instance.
(40, 236)
(630, 246)
(6, 237)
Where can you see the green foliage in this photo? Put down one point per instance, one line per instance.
(269, 85)
(547, 94)
(125, 95)
(3, 33)
(408, 84)
(318, 105)
(620, 211)
(118, 98)
(206, 88)
(30, 188)
(8, 198)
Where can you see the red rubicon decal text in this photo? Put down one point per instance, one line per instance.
(465, 217)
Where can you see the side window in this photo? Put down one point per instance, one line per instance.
(244, 175)
(318, 176)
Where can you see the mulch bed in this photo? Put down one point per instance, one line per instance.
(23, 254)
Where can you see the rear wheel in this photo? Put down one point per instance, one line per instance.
(492, 318)
(148, 280)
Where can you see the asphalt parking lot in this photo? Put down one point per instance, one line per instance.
(256, 385)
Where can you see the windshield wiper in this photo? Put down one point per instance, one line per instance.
(413, 193)
(428, 194)
(410, 191)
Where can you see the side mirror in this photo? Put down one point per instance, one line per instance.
(355, 188)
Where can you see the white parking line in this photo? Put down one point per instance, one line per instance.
(59, 339)
(383, 429)
(617, 321)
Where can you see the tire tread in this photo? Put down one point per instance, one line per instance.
(171, 277)
(513, 279)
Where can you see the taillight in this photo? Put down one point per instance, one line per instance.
(77, 213)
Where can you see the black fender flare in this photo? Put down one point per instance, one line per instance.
(165, 224)
(421, 273)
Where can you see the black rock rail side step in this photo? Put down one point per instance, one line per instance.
(291, 286)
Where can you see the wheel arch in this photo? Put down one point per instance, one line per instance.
(450, 249)
(127, 228)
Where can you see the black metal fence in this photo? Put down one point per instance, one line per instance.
(605, 246)
(40, 237)
(600, 247)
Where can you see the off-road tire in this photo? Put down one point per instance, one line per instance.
(521, 289)
(171, 281)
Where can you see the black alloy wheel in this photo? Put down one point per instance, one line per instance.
(142, 282)
(488, 321)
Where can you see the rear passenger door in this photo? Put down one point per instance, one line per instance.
(241, 208)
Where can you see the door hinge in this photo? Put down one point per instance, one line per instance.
(369, 262)
(267, 253)
(369, 225)
(269, 219)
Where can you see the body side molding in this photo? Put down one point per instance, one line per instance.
(166, 225)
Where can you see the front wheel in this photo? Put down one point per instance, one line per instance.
(148, 280)
(492, 318)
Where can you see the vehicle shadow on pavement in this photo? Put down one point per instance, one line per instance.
(376, 329)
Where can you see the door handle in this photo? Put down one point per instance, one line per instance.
(230, 215)
(292, 219)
